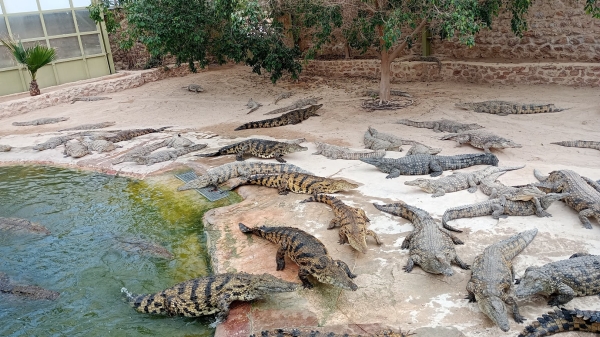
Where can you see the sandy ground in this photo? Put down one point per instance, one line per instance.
(387, 296)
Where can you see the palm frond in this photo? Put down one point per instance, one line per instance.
(17, 49)
(38, 57)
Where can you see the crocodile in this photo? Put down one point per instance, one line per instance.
(165, 155)
(41, 121)
(430, 246)
(563, 320)
(93, 126)
(260, 148)
(209, 295)
(377, 144)
(253, 105)
(492, 278)
(338, 152)
(89, 99)
(504, 108)
(292, 117)
(374, 93)
(420, 164)
(307, 332)
(562, 280)
(351, 220)
(140, 152)
(584, 193)
(53, 142)
(178, 142)
(76, 149)
(299, 104)
(457, 182)
(481, 140)
(442, 125)
(5, 148)
(285, 95)
(100, 145)
(29, 291)
(130, 134)
(297, 183)
(220, 174)
(397, 141)
(194, 88)
(308, 252)
(497, 209)
(140, 246)
(423, 149)
(580, 143)
(17, 224)
(494, 189)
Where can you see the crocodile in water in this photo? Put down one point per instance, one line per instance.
(29, 291)
(481, 140)
(194, 88)
(580, 143)
(93, 126)
(352, 221)
(504, 108)
(41, 121)
(457, 182)
(442, 125)
(562, 280)
(140, 246)
(492, 278)
(209, 295)
(297, 183)
(296, 105)
(563, 320)
(420, 164)
(308, 252)
(17, 224)
(338, 152)
(292, 117)
(89, 99)
(430, 246)
(494, 189)
(260, 148)
(584, 193)
(166, 155)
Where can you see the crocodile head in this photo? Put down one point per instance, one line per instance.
(340, 185)
(549, 198)
(383, 165)
(495, 309)
(472, 126)
(424, 184)
(333, 272)
(504, 143)
(312, 110)
(295, 148)
(437, 264)
(533, 282)
(267, 283)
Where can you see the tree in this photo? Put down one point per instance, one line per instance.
(33, 58)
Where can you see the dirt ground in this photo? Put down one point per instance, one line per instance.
(387, 296)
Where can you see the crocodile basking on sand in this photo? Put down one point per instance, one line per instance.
(260, 148)
(584, 193)
(338, 152)
(382, 139)
(458, 181)
(299, 104)
(430, 246)
(5, 148)
(41, 121)
(562, 280)
(76, 149)
(141, 151)
(209, 295)
(497, 209)
(292, 117)
(307, 332)
(308, 252)
(442, 125)
(194, 88)
(53, 142)
(18, 224)
(100, 145)
(492, 278)
(165, 155)
(580, 143)
(297, 183)
(89, 99)
(504, 108)
(494, 189)
(481, 140)
(32, 292)
(130, 134)
(420, 164)
(352, 221)
(220, 174)
(178, 142)
(93, 126)
(285, 95)
(563, 320)
(253, 105)
(377, 144)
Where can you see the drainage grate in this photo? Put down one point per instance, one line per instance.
(207, 192)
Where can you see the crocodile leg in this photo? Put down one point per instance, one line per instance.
(282, 188)
(515, 308)
(279, 157)
(223, 305)
(539, 211)
(280, 257)
(239, 156)
(460, 263)
(335, 222)
(592, 183)
(472, 185)
(565, 294)
(436, 127)
(393, 174)
(583, 217)
(344, 266)
(406, 242)
(409, 265)
(438, 193)
(303, 275)
(343, 236)
(375, 236)
(498, 211)
(455, 240)
(435, 168)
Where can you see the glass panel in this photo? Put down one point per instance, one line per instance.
(54, 4)
(6, 58)
(20, 6)
(66, 47)
(34, 43)
(81, 3)
(84, 22)
(3, 30)
(59, 23)
(1, 10)
(26, 26)
(91, 44)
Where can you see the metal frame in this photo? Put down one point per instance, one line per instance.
(100, 32)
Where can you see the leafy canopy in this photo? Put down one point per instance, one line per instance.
(31, 57)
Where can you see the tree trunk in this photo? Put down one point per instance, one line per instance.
(34, 89)
(384, 84)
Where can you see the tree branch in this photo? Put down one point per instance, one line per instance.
(398, 49)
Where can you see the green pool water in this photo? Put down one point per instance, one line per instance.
(87, 213)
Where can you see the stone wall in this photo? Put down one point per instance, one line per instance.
(572, 74)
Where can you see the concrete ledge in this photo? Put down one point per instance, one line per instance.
(569, 74)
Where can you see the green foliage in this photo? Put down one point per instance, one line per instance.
(103, 11)
(31, 57)
(592, 8)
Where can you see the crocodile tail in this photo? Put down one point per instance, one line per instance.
(245, 229)
(579, 143)
(414, 123)
(510, 168)
(538, 175)
(210, 154)
(563, 320)
(148, 303)
(163, 128)
(512, 246)
(400, 209)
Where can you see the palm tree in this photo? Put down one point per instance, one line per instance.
(31, 57)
